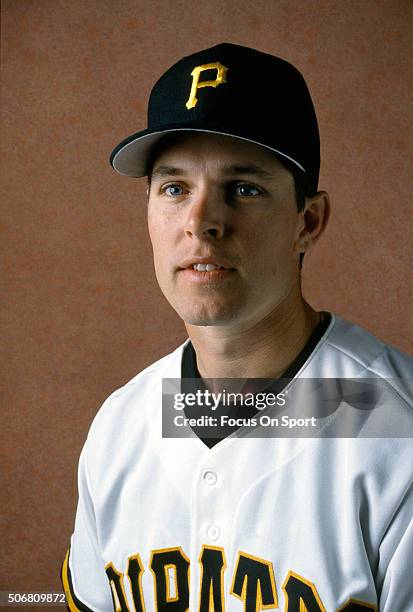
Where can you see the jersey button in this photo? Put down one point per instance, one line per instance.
(210, 478)
(213, 532)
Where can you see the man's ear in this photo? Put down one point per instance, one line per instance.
(313, 220)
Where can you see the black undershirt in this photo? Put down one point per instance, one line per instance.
(189, 370)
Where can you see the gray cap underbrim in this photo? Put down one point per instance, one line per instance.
(131, 159)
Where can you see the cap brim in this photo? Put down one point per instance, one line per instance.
(131, 155)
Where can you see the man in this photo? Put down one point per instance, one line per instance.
(235, 517)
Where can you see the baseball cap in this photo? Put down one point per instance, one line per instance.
(235, 91)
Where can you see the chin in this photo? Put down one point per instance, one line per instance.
(207, 314)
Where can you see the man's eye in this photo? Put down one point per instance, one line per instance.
(173, 190)
(246, 190)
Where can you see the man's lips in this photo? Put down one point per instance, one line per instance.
(205, 264)
(206, 269)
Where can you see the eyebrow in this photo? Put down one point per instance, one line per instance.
(234, 170)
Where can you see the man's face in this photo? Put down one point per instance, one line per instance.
(229, 205)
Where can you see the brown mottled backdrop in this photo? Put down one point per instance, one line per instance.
(81, 310)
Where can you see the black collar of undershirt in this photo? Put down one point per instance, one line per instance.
(189, 370)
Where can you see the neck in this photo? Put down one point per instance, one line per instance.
(264, 350)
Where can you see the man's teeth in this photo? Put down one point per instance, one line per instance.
(205, 267)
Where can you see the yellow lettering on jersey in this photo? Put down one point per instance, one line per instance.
(356, 605)
(196, 84)
(160, 562)
(301, 595)
(254, 583)
(66, 585)
(120, 603)
(134, 573)
(171, 576)
(211, 589)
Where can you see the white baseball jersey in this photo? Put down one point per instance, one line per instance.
(297, 523)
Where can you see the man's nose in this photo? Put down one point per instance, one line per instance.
(206, 216)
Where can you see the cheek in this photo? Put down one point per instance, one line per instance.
(161, 222)
(158, 245)
(270, 239)
(270, 251)
(156, 224)
(161, 234)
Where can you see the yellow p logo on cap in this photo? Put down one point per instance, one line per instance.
(220, 78)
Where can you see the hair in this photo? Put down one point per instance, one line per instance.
(301, 186)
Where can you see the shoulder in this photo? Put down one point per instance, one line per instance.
(365, 349)
(348, 351)
(370, 435)
(136, 402)
(367, 382)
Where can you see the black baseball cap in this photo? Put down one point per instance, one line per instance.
(235, 91)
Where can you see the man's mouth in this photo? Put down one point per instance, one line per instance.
(205, 264)
(209, 267)
(206, 269)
